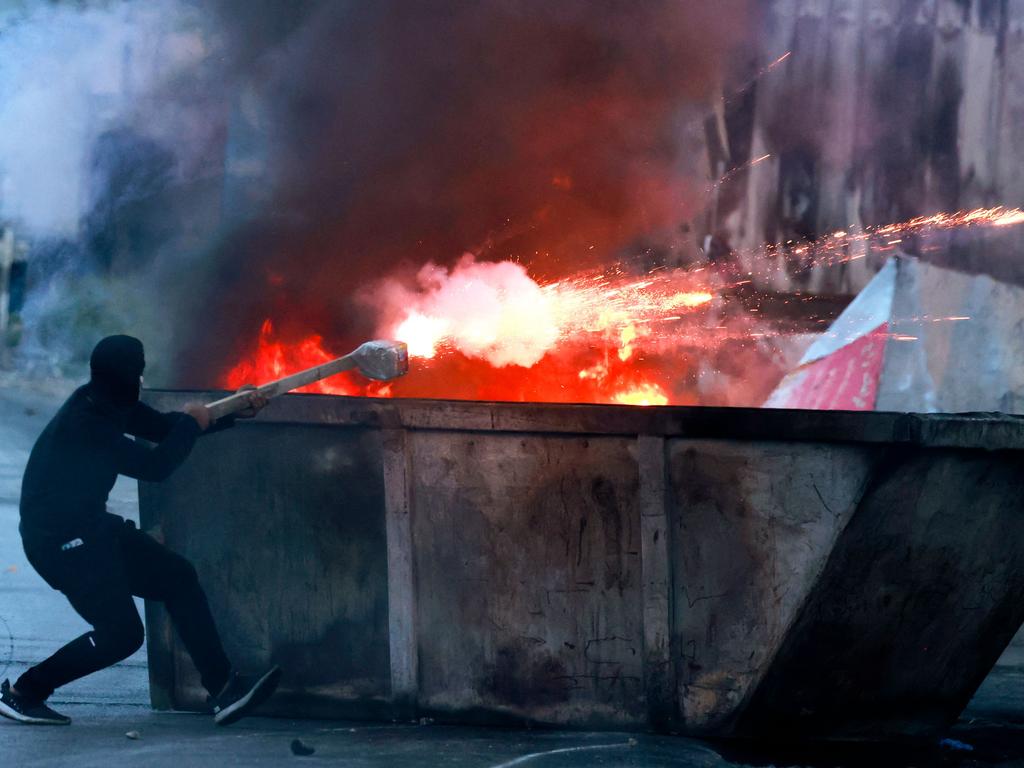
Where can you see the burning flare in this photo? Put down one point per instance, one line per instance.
(495, 311)
(489, 311)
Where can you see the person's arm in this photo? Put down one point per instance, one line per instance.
(152, 425)
(257, 402)
(149, 424)
(155, 464)
(224, 422)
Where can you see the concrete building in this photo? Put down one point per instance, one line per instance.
(882, 110)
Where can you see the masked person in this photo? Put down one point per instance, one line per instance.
(99, 560)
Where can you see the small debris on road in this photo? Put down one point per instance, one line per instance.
(956, 746)
(133, 735)
(300, 749)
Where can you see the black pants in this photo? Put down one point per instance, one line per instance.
(99, 576)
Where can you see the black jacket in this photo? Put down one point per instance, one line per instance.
(79, 455)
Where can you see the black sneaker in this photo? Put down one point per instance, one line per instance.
(244, 693)
(23, 710)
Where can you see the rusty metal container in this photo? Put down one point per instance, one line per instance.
(722, 572)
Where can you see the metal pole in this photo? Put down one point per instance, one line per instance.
(6, 262)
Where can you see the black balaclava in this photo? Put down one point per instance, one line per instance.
(117, 363)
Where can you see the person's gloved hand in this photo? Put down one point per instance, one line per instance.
(200, 413)
(257, 402)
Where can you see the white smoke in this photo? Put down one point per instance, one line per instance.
(489, 311)
(67, 74)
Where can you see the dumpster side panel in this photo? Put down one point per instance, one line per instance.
(285, 526)
(752, 525)
(919, 597)
(528, 571)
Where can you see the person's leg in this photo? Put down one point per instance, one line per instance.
(154, 572)
(117, 633)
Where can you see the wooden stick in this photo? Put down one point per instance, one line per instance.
(240, 400)
(380, 360)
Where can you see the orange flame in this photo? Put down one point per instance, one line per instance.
(645, 394)
(273, 360)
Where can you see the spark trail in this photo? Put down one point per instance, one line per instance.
(834, 248)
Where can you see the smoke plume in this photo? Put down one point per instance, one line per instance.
(227, 162)
(394, 134)
(106, 113)
(67, 75)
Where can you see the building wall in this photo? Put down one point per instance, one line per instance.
(884, 110)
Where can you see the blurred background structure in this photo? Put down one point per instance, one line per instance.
(884, 111)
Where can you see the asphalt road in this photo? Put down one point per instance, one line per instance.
(34, 621)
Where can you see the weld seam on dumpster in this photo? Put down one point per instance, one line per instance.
(401, 591)
(659, 664)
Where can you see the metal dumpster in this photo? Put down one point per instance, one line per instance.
(720, 572)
